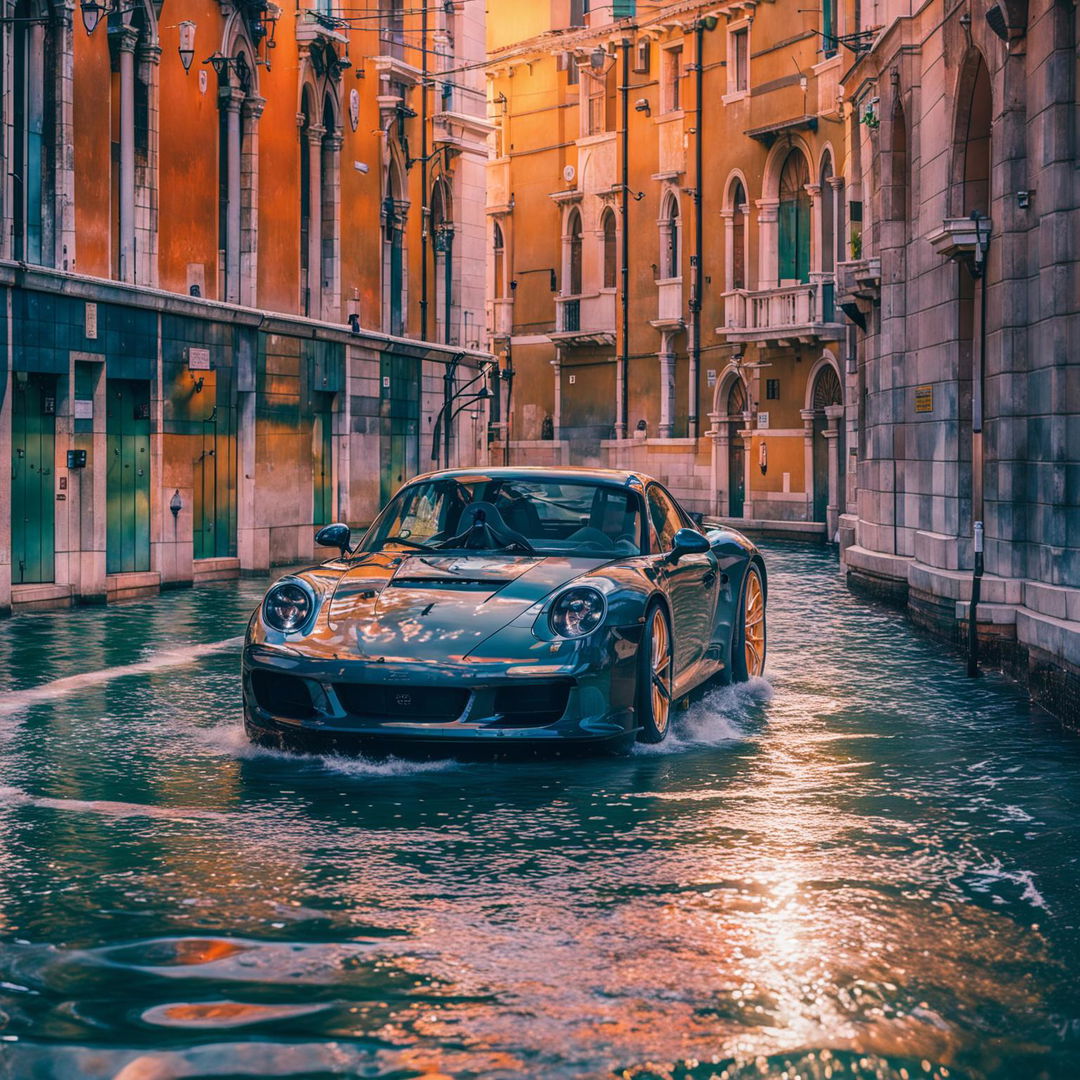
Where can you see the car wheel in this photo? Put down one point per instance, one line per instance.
(748, 654)
(654, 677)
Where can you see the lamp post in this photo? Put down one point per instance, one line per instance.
(445, 417)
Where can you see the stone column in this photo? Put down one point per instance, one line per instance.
(314, 135)
(330, 270)
(814, 191)
(58, 234)
(148, 61)
(249, 205)
(230, 99)
(557, 418)
(808, 460)
(747, 436)
(768, 243)
(126, 39)
(667, 385)
(834, 414)
(718, 433)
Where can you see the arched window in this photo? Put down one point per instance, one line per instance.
(828, 216)
(794, 219)
(307, 204)
(320, 207)
(977, 147)
(611, 258)
(393, 253)
(670, 259)
(898, 204)
(442, 247)
(738, 236)
(573, 232)
(498, 249)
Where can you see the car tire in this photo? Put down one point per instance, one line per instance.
(751, 640)
(655, 675)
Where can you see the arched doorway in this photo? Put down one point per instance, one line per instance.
(736, 408)
(827, 391)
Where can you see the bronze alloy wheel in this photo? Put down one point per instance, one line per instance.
(654, 678)
(754, 623)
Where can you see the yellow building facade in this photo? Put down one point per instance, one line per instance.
(667, 209)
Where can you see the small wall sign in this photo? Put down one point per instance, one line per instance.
(924, 398)
(710, 377)
(763, 421)
(84, 410)
(91, 320)
(198, 359)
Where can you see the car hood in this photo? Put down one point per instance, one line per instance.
(441, 607)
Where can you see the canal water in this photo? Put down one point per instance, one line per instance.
(865, 866)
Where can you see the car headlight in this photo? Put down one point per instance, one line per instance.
(577, 612)
(287, 606)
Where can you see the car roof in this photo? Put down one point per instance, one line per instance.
(569, 473)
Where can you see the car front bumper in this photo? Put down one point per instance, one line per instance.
(585, 697)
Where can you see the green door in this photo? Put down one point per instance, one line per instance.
(127, 482)
(33, 448)
(214, 474)
(399, 411)
(794, 222)
(323, 459)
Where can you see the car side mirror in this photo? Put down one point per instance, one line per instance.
(689, 542)
(337, 535)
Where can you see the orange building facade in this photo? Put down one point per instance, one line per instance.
(243, 270)
(668, 208)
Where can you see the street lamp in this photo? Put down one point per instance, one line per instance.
(187, 44)
(445, 417)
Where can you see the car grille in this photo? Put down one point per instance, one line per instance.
(531, 704)
(282, 695)
(433, 704)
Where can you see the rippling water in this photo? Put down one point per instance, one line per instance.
(865, 866)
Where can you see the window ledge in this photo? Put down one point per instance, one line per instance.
(668, 117)
(735, 95)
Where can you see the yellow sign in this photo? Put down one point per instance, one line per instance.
(924, 398)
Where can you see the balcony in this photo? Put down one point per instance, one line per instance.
(858, 288)
(782, 316)
(669, 304)
(583, 321)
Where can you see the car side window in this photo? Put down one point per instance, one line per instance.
(664, 516)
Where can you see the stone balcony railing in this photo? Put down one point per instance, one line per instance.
(585, 319)
(805, 312)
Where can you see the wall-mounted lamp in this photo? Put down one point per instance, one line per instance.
(1023, 199)
(91, 13)
(187, 44)
(197, 388)
(354, 311)
(176, 504)
(763, 457)
(598, 58)
(642, 105)
(225, 65)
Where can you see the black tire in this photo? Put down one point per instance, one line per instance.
(655, 675)
(747, 663)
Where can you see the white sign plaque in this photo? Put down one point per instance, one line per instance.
(198, 359)
(762, 420)
(84, 410)
(91, 320)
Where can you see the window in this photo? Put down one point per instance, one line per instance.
(611, 259)
(32, 133)
(772, 389)
(594, 103)
(672, 88)
(498, 248)
(573, 75)
(670, 262)
(642, 56)
(794, 219)
(392, 28)
(828, 216)
(664, 517)
(828, 27)
(739, 60)
(442, 250)
(738, 237)
(573, 232)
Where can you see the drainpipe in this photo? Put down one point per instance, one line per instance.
(621, 397)
(425, 217)
(982, 246)
(695, 260)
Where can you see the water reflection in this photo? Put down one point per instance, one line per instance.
(864, 867)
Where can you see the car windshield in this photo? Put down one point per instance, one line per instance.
(548, 517)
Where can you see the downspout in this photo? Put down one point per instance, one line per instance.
(695, 260)
(425, 213)
(977, 401)
(621, 396)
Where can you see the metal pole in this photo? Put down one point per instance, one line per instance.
(425, 220)
(696, 276)
(977, 408)
(976, 588)
(624, 345)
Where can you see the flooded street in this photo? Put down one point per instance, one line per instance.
(866, 865)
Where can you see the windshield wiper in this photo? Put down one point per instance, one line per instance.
(408, 543)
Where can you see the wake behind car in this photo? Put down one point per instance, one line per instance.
(525, 608)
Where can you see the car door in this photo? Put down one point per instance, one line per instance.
(690, 582)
